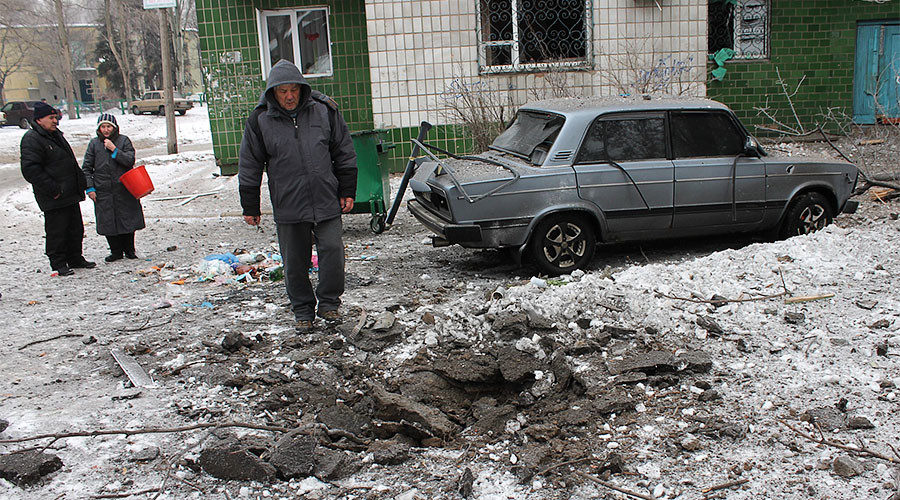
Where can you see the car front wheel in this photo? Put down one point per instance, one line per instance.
(181, 112)
(162, 111)
(563, 243)
(807, 214)
(135, 110)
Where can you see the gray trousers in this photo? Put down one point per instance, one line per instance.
(295, 241)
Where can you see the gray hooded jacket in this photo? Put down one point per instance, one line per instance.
(309, 159)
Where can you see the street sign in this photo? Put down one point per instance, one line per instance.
(158, 4)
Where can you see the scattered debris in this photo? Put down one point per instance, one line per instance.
(846, 466)
(859, 422)
(808, 298)
(231, 461)
(132, 369)
(25, 468)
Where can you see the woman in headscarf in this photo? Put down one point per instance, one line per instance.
(118, 213)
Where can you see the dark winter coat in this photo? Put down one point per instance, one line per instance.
(49, 164)
(117, 211)
(309, 159)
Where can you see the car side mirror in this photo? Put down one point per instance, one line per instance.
(752, 148)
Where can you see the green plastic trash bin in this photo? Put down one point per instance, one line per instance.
(373, 187)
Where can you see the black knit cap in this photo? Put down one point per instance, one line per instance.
(42, 109)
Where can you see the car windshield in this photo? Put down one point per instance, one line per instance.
(529, 130)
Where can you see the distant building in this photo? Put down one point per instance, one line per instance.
(38, 77)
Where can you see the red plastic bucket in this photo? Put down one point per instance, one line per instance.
(137, 181)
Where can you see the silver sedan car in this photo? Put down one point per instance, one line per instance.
(569, 173)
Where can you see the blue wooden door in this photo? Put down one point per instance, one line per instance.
(888, 102)
(876, 70)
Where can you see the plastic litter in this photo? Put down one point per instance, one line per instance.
(228, 258)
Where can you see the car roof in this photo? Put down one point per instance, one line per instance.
(596, 105)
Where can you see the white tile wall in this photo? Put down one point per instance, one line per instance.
(419, 47)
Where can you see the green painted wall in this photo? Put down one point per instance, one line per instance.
(816, 38)
(233, 88)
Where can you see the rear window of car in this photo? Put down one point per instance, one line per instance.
(624, 139)
(701, 133)
(527, 131)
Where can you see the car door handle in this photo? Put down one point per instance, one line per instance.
(789, 169)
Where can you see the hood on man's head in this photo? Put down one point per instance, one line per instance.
(284, 72)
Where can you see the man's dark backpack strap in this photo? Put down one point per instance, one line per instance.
(253, 122)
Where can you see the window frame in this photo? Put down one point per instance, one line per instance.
(765, 53)
(519, 67)
(262, 30)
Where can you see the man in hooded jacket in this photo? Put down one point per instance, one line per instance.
(301, 140)
(48, 163)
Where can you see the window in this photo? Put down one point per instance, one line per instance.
(299, 36)
(522, 35)
(624, 139)
(700, 134)
(528, 131)
(740, 25)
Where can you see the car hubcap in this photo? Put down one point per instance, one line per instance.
(564, 245)
(812, 219)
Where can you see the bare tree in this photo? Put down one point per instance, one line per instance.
(117, 39)
(13, 40)
(480, 107)
(641, 69)
(66, 51)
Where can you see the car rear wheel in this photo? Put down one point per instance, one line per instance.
(807, 214)
(563, 243)
(135, 110)
(23, 123)
(181, 112)
(162, 111)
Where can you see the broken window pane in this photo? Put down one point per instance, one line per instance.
(281, 43)
(299, 36)
(741, 25)
(551, 30)
(519, 34)
(315, 58)
(705, 134)
(528, 131)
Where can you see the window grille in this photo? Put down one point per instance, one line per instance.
(533, 35)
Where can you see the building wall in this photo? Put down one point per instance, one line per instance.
(396, 62)
(815, 39)
(418, 52)
(229, 51)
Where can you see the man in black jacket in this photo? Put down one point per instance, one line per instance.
(297, 135)
(49, 164)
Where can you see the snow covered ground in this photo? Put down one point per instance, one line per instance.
(772, 361)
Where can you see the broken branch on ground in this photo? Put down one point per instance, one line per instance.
(616, 488)
(50, 339)
(858, 450)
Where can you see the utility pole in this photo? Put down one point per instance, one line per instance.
(164, 39)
